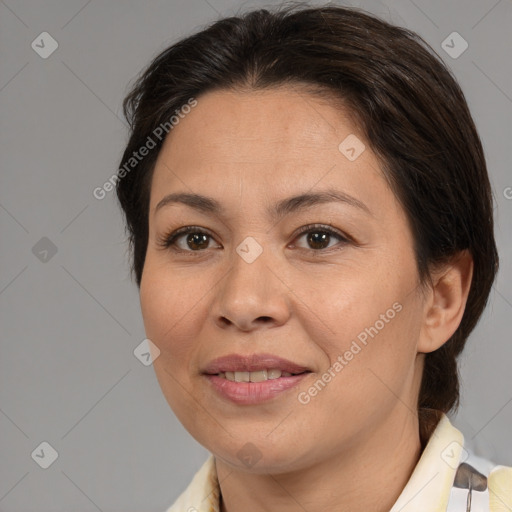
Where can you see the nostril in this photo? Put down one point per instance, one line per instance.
(264, 318)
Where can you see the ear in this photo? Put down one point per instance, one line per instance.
(445, 302)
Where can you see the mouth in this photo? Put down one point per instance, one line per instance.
(253, 367)
(256, 376)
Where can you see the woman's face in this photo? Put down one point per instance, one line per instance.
(344, 305)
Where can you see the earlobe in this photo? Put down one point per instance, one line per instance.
(446, 301)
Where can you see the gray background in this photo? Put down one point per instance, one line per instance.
(70, 324)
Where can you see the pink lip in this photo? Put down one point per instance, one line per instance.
(252, 363)
(250, 393)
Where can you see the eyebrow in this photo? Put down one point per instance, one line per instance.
(275, 212)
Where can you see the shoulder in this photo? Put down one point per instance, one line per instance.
(448, 477)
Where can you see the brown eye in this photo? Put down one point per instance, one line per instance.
(187, 239)
(319, 238)
(197, 241)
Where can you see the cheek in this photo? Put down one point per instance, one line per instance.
(170, 310)
(356, 306)
(170, 322)
(378, 361)
(373, 325)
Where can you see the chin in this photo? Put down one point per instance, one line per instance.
(259, 456)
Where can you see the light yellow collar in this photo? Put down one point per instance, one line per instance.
(429, 487)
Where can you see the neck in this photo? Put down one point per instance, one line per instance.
(369, 475)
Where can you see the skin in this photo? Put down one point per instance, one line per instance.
(354, 446)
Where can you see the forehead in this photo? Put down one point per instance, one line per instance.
(240, 122)
(277, 140)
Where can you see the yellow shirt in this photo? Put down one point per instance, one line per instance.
(429, 489)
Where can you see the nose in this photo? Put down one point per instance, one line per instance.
(252, 295)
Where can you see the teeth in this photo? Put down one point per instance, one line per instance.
(274, 374)
(258, 376)
(242, 376)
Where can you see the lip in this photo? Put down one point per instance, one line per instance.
(252, 363)
(251, 393)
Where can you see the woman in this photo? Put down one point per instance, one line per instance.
(311, 222)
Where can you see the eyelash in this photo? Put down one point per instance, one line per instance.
(169, 239)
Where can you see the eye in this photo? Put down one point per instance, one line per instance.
(196, 239)
(319, 237)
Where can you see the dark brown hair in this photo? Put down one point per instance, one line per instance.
(405, 101)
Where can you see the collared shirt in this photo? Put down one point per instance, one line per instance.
(429, 489)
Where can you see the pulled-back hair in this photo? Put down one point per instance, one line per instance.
(404, 100)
